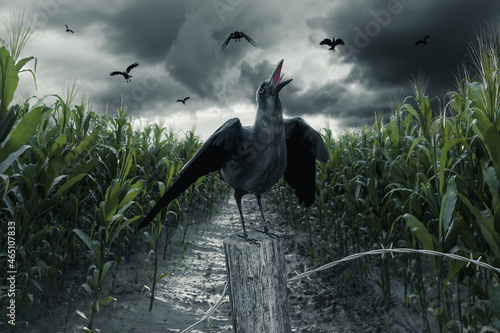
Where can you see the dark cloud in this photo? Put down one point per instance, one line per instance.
(380, 37)
(177, 44)
(146, 29)
(252, 76)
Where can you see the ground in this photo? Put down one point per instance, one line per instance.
(327, 303)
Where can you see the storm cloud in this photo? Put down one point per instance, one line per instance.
(177, 44)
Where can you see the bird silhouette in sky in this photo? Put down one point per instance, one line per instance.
(68, 29)
(237, 35)
(332, 43)
(251, 159)
(183, 101)
(126, 74)
(422, 41)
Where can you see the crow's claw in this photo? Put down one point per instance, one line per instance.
(267, 232)
(248, 239)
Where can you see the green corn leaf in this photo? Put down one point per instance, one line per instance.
(58, 144)
(448, 203)
(452, 272)
(4, 165)
(9, 79)
(486, 226)
(106, 300)
(455, 229)
(423, 235)
(84, 237)
(491, 178)
(7, 122)
(64, 188)
(105, 269)
(415, 142)
(4, 185)
(112, 199)
(490, 137)
(392, 130)
(443, 160)
(494, 298)
(135, 190)
(84, 146)
(56, 181)
(162, 276)
(20, 63)
(122, 226)
(92, 245)
(95, 278)
(126, 163)
(87, 288)
(22, 131)
(413, 112)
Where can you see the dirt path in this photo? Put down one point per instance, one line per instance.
(199, 275)
(197, 280)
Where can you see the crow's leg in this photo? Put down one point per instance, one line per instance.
(237, 196)
(263, 218)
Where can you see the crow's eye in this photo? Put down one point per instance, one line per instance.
(261, 92)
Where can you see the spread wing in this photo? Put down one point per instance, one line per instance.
(250, 40)
(304, 145)
(339, 42)
(116, 73)
(134, 65)
(326, 41)
(223, 46)
(210, 157)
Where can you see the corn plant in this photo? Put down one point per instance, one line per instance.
(426, 176)
(74, 182)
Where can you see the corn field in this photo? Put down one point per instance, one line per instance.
(424, 177)
(73, 183)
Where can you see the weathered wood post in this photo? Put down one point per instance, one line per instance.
(256, 277)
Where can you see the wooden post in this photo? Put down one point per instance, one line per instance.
(256, 277)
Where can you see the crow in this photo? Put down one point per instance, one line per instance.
(125, 74)
(237, 35)
(422, 41)
(183, 100)
(332, 43)
(68, 29)
(251, 159)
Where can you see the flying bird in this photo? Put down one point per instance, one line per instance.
(422, 41)
(251, 159)
(125, 74)
(68, 29)
(332, 43)
(183, 101)
(237, 35)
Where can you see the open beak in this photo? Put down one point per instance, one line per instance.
(276, 78)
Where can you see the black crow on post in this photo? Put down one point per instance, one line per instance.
(125, 74)
(332, 43)
(237, 35)
(251, 159)
(422, 41)
(183, 101)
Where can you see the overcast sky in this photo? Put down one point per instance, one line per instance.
(177, 45)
